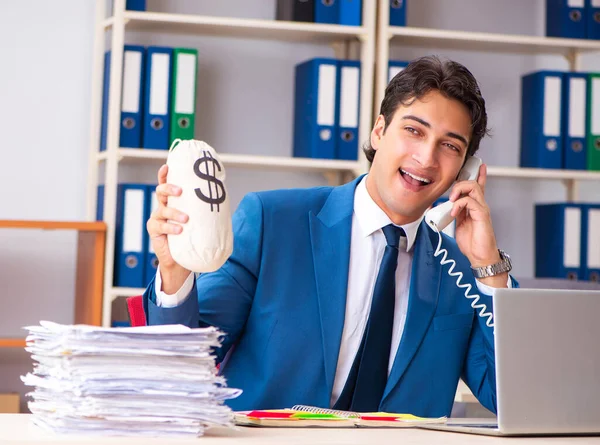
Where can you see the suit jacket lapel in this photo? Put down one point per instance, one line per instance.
(422, 302)
(330, 233)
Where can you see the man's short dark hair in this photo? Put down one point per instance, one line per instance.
(429, 73)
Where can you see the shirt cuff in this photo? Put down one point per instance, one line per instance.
(489, 290)
(169, 301)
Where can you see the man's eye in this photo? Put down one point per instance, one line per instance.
(453, 147)
(412, 130)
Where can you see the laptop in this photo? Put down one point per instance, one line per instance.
(547, 364)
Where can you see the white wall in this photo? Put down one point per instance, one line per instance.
(245, 105)
(44, 122)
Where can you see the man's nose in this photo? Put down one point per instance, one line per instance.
(426, 156)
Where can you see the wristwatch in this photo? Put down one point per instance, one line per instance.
(504, 265)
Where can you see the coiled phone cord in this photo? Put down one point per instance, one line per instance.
(475, 304)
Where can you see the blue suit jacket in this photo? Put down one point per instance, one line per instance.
(281, 300)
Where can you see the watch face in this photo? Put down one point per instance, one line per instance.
(504, 255)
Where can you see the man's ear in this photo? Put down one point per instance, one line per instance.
(377, 132)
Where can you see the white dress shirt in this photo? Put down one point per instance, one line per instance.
(367, 245)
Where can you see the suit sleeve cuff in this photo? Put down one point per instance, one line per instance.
(172, 300)
(489, 290)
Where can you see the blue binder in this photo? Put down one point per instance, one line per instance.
(350, 12)
(394, 67)
(132, 95)
(590, 242)
(592, 19)
(135, 5)
(558, 241)
(100, 204)
(157, 91)
(348, 109)
(327, 11)
(105, 91)
(541, 135)
(565, 18)
(129, 235)
(574, 121)
(314, 111)
(151, 261)
(131, 100)
(398, 12)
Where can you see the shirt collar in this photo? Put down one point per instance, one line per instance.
(372, 218)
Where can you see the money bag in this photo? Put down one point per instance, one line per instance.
(207, 239)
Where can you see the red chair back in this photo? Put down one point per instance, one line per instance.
(135, 307)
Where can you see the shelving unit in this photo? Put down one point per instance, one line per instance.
(240, 28)
(344, 40)
(483, 42)
(91, 242)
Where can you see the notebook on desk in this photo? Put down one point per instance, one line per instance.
(301, 416)
(547, 364)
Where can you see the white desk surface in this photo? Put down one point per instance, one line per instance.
(18, 429)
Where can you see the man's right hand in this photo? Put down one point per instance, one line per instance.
(163, 221)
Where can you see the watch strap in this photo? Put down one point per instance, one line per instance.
(504, 265)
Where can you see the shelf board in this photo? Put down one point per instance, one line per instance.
(542, 173)
(12, 342)
(126, 292)
(249, 161)
(237, 27)
(482, 41)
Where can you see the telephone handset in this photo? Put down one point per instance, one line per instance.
(438, 218)
(440, 215)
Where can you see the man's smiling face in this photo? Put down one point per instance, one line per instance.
(418, 155)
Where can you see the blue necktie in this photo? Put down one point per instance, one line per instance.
(368, 375)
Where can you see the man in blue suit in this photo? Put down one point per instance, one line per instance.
(333, 296)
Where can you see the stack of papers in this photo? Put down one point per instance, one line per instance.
(150, 380)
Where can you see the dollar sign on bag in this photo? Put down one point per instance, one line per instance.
(219, 189)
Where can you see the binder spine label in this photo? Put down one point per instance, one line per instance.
(153, 207)
(577, 100)
(159, 84)
(572, 240)
(132, 73)
(595, 110)
(133, 224)
(349, 97)
(392, 71)
(552, 92)
(593, 247)
(186, 81)
(326, 95)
